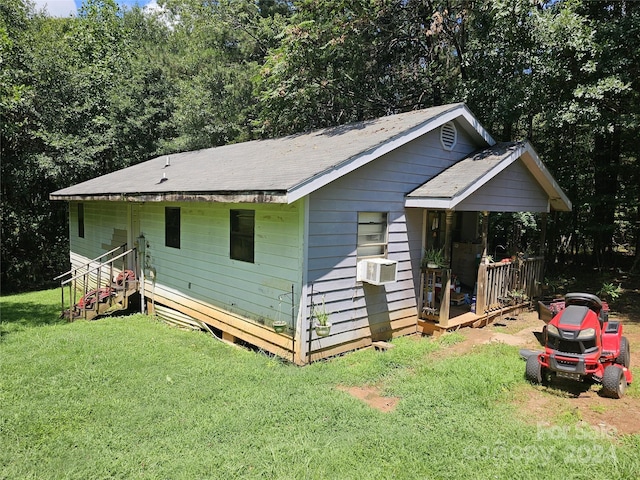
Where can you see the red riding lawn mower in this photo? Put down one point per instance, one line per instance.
(582, 344)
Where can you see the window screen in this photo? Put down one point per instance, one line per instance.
(172, 227)
(372, 234)
(81, 220)
(242, 239)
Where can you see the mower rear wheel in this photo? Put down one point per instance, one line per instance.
(533, 371)
(624, 358)
(614, 383)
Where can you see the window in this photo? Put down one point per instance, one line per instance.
(81, 220)
(172, 227)
(372, 234)
(242, 240)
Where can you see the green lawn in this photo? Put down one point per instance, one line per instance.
(132, 398)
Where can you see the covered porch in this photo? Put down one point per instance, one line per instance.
(471, 286)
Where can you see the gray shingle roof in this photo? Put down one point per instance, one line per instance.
(451, 186)
(272, 167)
(465, 173)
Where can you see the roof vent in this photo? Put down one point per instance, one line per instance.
(448, 136)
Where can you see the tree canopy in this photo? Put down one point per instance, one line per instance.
(112, 87)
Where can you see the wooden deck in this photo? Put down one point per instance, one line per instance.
(462, 319)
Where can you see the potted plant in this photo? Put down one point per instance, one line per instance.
(433, 258)
(279, 326)
(322, 326)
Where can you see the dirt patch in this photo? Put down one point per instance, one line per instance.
(547, 407)
(516, 330)
(556, 405)
(371, 395)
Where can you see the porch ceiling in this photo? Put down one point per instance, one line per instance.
(455, 187)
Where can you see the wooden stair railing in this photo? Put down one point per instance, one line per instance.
(100, 297)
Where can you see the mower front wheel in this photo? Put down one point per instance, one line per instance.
(624, 357)
(534, 371)
(614, 383)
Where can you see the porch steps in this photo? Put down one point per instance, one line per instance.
(105, 301)
(102, 286)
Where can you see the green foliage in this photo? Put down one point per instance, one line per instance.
(610, 291)
(433, 256)
(340, 62)
(83, 96)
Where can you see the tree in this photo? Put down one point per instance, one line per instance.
(344, 61)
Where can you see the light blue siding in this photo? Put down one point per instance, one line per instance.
(105, 229)
(512, 190)
(202, 267)
(358, 309)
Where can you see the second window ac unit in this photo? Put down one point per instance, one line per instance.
(377, 271)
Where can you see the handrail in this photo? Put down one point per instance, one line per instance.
(96, 267)
(94, 260)
(496, 280)
(85, 274)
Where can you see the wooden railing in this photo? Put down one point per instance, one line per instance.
(94, 275)
(504, 283)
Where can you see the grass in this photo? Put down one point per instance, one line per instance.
(132, 398)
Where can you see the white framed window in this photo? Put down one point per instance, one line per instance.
(372, 235)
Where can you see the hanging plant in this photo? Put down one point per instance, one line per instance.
(322, 326)
(279, 326)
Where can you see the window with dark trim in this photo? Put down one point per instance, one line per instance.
(242, 238)
(81, 220)
(172, 227)
(372, 234)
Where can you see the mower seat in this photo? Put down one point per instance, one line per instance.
(584, 299)
(590, 301)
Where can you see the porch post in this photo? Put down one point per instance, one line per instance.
(485, 234)
(482, 269)
(447, 237)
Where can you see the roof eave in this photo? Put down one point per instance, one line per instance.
(213, 197)
(557, 198)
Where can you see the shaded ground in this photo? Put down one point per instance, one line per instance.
(546, 407)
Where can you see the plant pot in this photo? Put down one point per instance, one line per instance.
(432, 265)
(323, 330)
(279, 326)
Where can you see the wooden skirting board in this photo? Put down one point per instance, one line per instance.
(234, 326)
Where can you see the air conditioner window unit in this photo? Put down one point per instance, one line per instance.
(377, 271)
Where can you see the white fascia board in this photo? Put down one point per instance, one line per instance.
(476, 127)
(433, 203)
(319, 181)
(557, 198)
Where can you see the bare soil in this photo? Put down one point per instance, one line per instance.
(543, 406)
(372, 397)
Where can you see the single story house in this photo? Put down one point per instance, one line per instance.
(240, 236)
